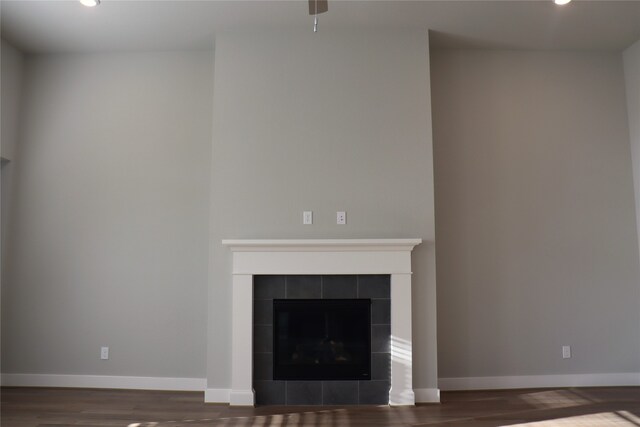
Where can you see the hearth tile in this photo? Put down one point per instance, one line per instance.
(263, 339)
(263, 366)
(381, 338)
(381, 312)
(269, 392)
(303, 287)
(380, 366)
(339, 287)
(304, 393)
(268, 287)
(374, 392)
(263, 312)
(374, 286)
(340, 392)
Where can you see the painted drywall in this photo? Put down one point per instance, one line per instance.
(535, 217)
(332, 121)
(11, 64)
(631, 59)
(110, 242)
(10, 89)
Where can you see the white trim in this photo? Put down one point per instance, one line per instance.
(104, 381)
(320, 245)
(540, 381)
(242, 397)
(217, 395)
(427, 395)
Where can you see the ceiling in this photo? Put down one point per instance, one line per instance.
(129, 25)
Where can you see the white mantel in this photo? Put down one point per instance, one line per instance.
(322, 257)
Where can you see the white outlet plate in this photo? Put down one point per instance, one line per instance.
(104, 353)
(307, 217)
(341, 218)
(566, 352)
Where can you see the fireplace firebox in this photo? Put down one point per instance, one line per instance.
(322, 339)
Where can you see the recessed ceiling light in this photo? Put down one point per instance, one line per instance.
(90, 3)
(561, 2)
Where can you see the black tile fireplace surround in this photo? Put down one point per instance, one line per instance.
(313, 392)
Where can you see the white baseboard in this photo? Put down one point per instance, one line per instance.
(540, 381)
(422, 395)
(104, 381)
(217, 395)
(427, 395)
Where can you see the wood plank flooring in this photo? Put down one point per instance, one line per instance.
(597, 407)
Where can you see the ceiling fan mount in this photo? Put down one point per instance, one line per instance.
(318, 6)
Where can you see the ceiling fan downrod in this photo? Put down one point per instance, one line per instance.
(317, 7)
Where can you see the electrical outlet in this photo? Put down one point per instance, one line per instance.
(307, 217)
(104, 353)
(566, 352)
(341, 218)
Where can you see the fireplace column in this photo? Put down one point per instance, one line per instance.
(242, 341)
(401, 392)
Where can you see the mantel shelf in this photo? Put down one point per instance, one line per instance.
(321, 245)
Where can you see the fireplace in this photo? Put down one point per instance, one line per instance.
(391, 257)
(322, 339)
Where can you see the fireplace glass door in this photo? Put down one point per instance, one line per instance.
(322, 339)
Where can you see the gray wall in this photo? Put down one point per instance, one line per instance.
(11, 64)
(323, 122)
(536, 226)
(631, 58)
(109, 243)
(535, 214)
(11, 90)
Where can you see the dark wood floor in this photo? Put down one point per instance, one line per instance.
(597, 407)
